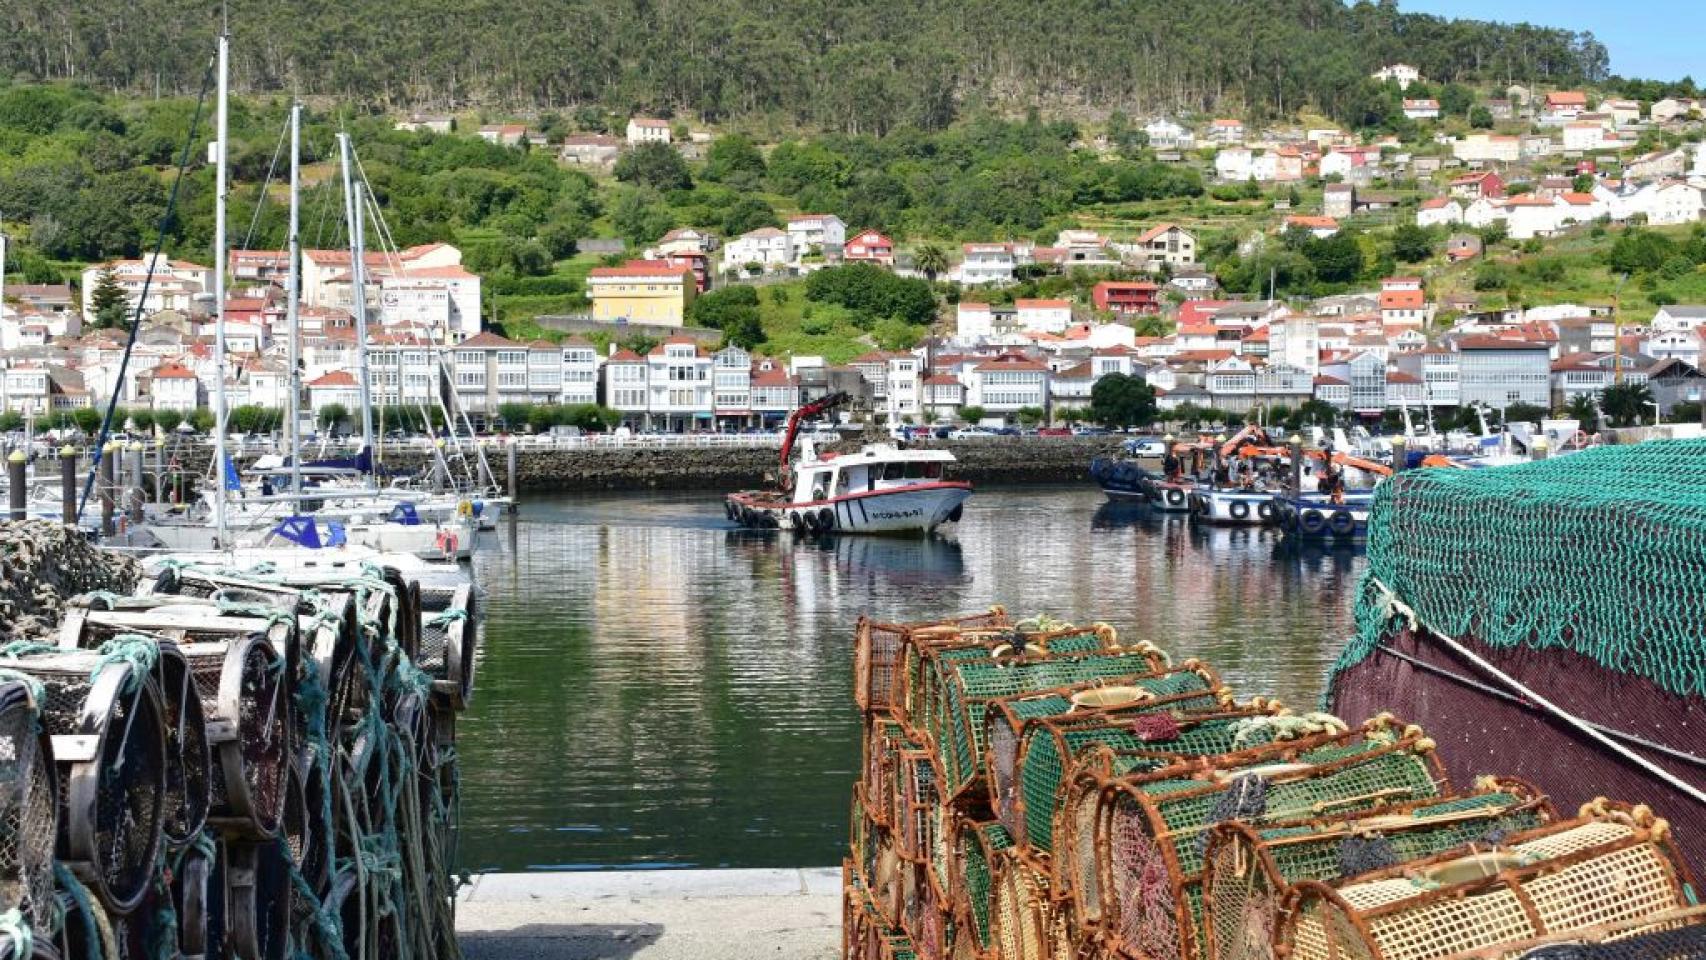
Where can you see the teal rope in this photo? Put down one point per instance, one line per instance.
(13, 927)
(139, 651)
(38, 692)
(85, 908)
(26, 648)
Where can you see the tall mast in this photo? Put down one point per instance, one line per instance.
(293, 293)
(358, 285)
(219, 265)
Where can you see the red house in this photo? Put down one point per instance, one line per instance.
(869, 247)
(1474, 186)
(1127, 298)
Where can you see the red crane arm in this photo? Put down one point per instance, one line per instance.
(811, 409)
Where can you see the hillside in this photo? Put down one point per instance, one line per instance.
(864, 66)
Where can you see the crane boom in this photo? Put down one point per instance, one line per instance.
(812, 409)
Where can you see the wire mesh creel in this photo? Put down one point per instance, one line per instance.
(108, 735)
(29, 807)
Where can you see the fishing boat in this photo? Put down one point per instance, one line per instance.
(879, 489)
(1313, 516)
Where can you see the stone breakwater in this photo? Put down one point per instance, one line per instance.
(993, 460)
(41, 565)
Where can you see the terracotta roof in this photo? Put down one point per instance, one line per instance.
(1403, 300)
(1042, 304)
(173, 371)
(1436, 203)
(486, 338)
(649, 122)
(1009, 363)
(626, 356)
(1326, 381)
(1399, 376)
(336, 378)
(942, 380)
(1153, 232)
(1312, 223)
(1497, 343)
(642, 268)
(1203, 356)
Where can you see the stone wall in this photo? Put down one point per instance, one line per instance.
(995, 461)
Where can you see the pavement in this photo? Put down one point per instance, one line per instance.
(786, 914)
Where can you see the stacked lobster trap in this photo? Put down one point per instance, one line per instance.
(238, 762)
(1033, 790)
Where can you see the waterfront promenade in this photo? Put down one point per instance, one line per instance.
(788, 914)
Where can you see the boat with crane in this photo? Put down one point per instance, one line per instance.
(881, 488)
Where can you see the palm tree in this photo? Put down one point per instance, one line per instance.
(931, 259)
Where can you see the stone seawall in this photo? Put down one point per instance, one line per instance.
(994, 461)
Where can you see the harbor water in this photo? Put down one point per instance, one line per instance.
(659, 690)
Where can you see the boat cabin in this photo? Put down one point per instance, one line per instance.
(876, 467)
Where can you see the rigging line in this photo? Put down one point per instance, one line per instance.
(1399, 609)
(386, 241)
(166, 217)
(261, 198)
(1509, 697)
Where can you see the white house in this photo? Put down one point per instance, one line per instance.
(1586, 136)
(678, 377)
(1439, 211)
(1679, 317)
(1043, 316)
(1484, 212)
(766, 246)
(1487, 148)
(176, 284)
(1336, 163)
(580, 372)
(985, 264)
(816, 230)
(1400, 73)
(905, 387)
(1671, 203)
(648, 130)
(1422, 109)
(1224, 130)
(1235, 163)
(1530, 216)
(1164, 134)
(625, 390)
(1005, 385)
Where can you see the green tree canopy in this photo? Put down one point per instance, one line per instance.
(1123, 401)
(656, 165)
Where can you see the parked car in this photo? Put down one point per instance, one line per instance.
(1055, 432)
(970, 433)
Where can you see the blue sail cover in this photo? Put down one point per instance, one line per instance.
(304, 532)
(362, 461)
(404, 513)
(232, 481)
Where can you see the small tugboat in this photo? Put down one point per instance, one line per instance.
(880, 489)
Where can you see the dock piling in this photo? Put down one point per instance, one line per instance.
(16, 463)
(107, 481)
(68, 484)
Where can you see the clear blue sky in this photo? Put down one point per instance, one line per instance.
(1652, 39)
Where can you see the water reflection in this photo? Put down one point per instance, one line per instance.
(659, 689)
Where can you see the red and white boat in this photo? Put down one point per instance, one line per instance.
(879, 489)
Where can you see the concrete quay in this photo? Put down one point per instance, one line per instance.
(786, 914)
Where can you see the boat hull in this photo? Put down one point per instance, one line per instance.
(1317, 518)
(906, 510)
(1172, 497)
(1232, 508)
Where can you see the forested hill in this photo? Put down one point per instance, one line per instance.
(865, 66)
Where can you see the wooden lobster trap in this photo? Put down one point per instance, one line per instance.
(1614, 864)
(1027, 922)
(1678, 934)
(1076, 856)
(1021, 643)
(1249, 870)
(883, 742)
(29, 805)
(879, 649)
(1151, 829)
(977, 848)
(961, 692)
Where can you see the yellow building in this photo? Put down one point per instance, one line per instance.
(642, 291)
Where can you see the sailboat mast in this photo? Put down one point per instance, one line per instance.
(219, 265)
(358, 286)
(293, 293)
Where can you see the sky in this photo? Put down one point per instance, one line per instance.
(1650, 39)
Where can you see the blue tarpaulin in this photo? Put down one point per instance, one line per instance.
(232, 481)
(404, 513)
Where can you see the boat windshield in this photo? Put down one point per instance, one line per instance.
(912, 470)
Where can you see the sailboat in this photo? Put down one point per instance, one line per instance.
(338, 517)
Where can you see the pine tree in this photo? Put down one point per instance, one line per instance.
(108, 302)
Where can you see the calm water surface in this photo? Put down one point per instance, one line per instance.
(659, 690)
